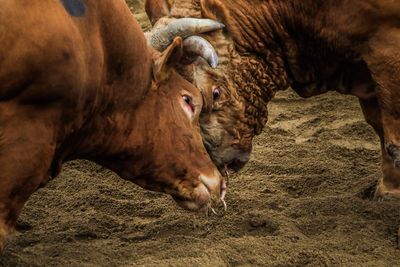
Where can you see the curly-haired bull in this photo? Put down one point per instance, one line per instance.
(313, 46)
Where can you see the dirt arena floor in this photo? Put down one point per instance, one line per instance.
(303, 200)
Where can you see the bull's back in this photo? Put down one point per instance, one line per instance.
(360, 19)
(41, 52)
(53, 50)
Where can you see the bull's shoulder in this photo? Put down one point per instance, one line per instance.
(55, 51)
(42, 52)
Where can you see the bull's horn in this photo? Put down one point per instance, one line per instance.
(196, 45)
(183, 27)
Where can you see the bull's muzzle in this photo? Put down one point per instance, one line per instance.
(207, 195)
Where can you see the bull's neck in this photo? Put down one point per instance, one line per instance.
(113, 118)
(295, 41)
(260, 34)
(282, 35)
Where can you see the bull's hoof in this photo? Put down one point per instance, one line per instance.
(3, 242)
(383, 193)
(398, 238)
(4, 236)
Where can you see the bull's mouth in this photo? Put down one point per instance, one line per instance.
(202, 199)
(236, 165)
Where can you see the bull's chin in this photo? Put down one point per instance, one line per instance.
(232, 167)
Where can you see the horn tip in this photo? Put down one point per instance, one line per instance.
(213, 62)
(217, 24)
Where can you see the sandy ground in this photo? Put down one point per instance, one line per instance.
(303, 200)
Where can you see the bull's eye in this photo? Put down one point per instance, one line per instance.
(189, 101)
(216, 93)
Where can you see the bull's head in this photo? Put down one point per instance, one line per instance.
(235, 95)
(165, 152)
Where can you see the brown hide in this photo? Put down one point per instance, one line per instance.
(314, 46)
(82, 87)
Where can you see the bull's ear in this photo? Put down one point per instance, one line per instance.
(173, 53)
(213, 9)
(224, 12)
(156, 9)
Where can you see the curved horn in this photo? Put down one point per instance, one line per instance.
(183, 27)
(196, 45)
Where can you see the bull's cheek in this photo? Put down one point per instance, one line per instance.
(148, 184)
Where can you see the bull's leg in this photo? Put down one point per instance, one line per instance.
(4, 232)
(26, 150)
(15, 189)
(389, 184)
(384, 67)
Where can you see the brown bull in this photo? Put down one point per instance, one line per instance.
(77, 80)
(314, 46)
